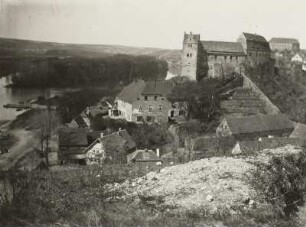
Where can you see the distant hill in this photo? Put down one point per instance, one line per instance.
(14, 48)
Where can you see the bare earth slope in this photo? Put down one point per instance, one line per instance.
(219, 186)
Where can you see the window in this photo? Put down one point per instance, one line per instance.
(146, 98)
(149, 118)
(231, 57)
(225, 57)
(216, 56)
(187, 55)
(250, 54)
(140, 108)
(236, 58)
(155, 98)
(139, 118)
(150, 108)
(160, 107)
(181, 112)
(189, 45)
(190, 55)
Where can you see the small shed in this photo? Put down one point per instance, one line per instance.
(144, 156)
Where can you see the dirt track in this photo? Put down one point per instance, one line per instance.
(26, 143)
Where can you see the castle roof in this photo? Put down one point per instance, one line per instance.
(284, 40)
(223, 47)
(254, 37)
(132, 91)
(259, 123)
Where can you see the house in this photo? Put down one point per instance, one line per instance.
(299, 131)
(297, 58)
(144, 156)
(101, 108)
(252, 147)
(112, 148)
(80, 121)
(145, 102)
(254, 127)
(256, 47)
(281, 44)
(72, 141)
(79, 145)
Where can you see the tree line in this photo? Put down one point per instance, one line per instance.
(78, 71)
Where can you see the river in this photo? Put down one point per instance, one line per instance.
(16, 95)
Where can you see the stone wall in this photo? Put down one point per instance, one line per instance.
(208, 146)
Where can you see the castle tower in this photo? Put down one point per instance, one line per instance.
(189, 57)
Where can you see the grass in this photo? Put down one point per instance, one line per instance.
(74, 195)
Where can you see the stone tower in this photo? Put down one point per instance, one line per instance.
(190, 55)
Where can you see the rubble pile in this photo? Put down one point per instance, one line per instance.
(211, 186)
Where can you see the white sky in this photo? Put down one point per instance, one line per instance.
(152, 23)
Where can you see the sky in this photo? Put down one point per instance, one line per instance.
(150, 23)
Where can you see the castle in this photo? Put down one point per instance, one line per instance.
(215, 58)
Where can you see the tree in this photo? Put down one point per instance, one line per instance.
(49, 121)
(203, 97)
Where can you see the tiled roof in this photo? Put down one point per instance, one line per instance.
(73, 136)
(131, 92)
(119, 141)
(259, 123)
(223, 47)
(254, 37)
(158, 88)
(284, 40)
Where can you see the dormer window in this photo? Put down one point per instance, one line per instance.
(155, 98)
(140, 108)
(146, 98)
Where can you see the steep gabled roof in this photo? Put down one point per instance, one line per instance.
(120, 140)
(254, 37)
(284, 40)
(129, 141)
(259, 123)
(131, 92)
(158, 88)
(73, 136)
(223, 47)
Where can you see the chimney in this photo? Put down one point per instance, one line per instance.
(101, 135)
(157, 152)
(119, 129)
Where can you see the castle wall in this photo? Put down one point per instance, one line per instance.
(219, 64)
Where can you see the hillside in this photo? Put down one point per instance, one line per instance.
(14, 48)
(235, 191)
(286, 92)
